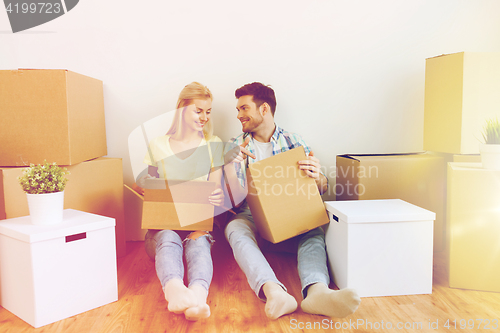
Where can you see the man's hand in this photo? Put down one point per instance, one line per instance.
(311, 166)
(239, 153)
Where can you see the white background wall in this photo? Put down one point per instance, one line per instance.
(348, 74)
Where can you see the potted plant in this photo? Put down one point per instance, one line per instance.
(44, 186)
(490, 150)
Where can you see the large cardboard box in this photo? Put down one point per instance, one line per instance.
(49, 273)
(461, 92)
(380, 247)
(53, 115)
(94, 186)
(284, 201)
(419, 179)
(473, 227)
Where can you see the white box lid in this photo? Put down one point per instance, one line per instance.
(372, 211)
(74, 222)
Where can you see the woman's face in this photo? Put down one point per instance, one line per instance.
(197, 114)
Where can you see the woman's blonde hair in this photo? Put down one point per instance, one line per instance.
(192, 91)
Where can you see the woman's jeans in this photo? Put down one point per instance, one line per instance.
(165, 247)
(311, 255)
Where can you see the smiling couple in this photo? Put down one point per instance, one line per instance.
(261, 138)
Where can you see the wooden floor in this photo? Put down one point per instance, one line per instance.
(142, 308)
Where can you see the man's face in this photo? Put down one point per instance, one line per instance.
(248, 114)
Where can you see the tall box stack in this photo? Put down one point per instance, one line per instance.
(57, 116)
(461, 92)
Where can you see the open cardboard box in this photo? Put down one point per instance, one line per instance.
(176, 206)
(54, 115)
(284, 201)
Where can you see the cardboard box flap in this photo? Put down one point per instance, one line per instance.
(374, 211)
(358, 157)
(445, 55)
(74, 223)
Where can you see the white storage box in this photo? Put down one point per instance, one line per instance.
(49, 273)
(380, 247)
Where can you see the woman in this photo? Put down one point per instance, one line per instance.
(188, 151)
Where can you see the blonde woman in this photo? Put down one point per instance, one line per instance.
(188, 151)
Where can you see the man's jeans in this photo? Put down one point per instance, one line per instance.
(311, 255)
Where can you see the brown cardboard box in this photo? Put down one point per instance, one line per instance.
(461, 92)
(284, 201)
(94, 186)
(183, 206)
(419, 179)
(53, 115)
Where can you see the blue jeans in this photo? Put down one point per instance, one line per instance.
(311, 255)
(165, 247)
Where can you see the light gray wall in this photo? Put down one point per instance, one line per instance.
(348, 75)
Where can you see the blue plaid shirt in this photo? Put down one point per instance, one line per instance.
(281, 141)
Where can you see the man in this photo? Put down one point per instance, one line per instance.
(262, 138)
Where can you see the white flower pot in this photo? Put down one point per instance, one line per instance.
(47, 208)
(490, 156)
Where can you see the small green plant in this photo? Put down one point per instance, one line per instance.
(43, 178)
(491, 132)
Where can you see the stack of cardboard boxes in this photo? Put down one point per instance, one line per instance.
(461, 92)
(58, 116)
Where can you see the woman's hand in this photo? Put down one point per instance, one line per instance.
(142, 181)
(217, 197)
